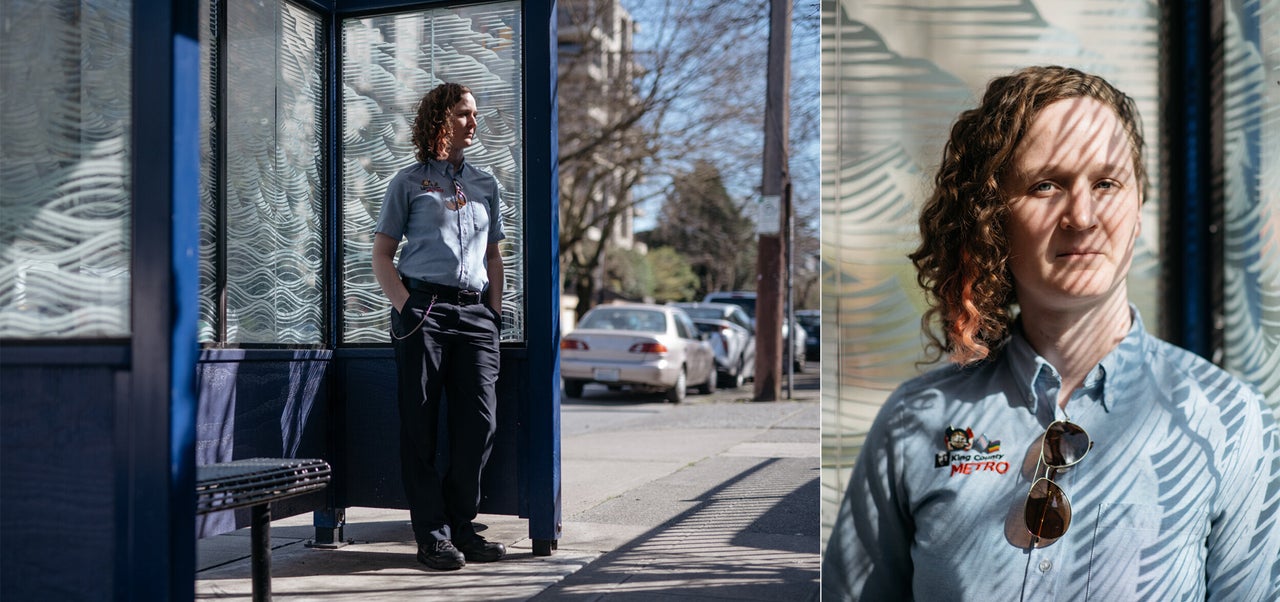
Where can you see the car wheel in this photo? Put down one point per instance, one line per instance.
(709, 387)
(677, 392)
(573, 388)
(739, 377)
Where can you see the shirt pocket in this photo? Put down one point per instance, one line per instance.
(426, 209)
(1146, 551)
(480, 217)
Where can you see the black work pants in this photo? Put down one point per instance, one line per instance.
(455, 353)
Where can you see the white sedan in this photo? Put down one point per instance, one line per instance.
(646, 347)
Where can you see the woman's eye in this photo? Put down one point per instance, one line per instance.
(1042, 187)
(1106, 184)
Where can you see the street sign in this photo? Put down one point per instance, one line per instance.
(769, 214)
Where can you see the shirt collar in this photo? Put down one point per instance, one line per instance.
(1027, 366)
(446, 167)
(1111, 375)
(1122, 366)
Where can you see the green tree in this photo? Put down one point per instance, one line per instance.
(674, 280)
(628, 273)
(706, 226)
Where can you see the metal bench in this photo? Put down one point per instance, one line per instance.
(255, 483)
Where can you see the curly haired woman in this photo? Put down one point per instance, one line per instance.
(446, 293)
(1065, 453)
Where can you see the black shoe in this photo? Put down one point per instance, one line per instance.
(477, 549)
(441, 555)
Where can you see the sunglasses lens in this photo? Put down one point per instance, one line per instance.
(1065, 444)
(1048, 510)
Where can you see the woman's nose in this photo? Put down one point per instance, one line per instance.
(1080, 213)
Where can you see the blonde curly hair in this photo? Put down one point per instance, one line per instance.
(962, 260)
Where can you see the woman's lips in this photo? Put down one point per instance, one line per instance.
(1078, 252)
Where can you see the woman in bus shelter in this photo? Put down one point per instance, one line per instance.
(446, 294)
(1065, 453)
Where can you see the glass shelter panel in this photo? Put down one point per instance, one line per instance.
(388, 63)
(209, 325)
(273, 192)
(894, 78)
(1251, 156)
(65, 204)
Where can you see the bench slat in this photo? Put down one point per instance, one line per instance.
(241, 483)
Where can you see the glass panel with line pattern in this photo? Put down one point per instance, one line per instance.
(389, 62)
(208, 328)
(1251, 274)
(273, 190)
(65, 204)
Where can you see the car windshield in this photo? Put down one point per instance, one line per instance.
(747, 304)
(704, 313)
(624, 319)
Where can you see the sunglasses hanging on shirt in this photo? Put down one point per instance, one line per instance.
(1048, 510)
(459, 199)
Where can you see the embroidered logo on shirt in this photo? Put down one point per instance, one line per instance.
(986, 456)
(431, 186)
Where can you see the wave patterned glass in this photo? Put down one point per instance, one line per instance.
(208, 324)
(388, 63)
(894, 77)
(65, 205)
(274, 192)
(1251, 274)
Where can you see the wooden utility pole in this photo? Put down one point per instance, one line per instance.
(769, 262)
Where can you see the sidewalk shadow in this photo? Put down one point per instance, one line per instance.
(380, 565)
(753, 537)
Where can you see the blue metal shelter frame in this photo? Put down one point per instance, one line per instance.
(155, 419)
(1192, 246)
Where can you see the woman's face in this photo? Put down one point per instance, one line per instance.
(1074, 207)
(462, 122)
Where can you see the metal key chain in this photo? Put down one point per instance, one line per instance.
(420, 322)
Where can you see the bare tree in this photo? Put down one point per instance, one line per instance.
(643, 103)
(806, 114)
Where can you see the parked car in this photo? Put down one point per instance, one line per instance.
(646, 347)
(811, 321)
(747, 301)
(733, 339)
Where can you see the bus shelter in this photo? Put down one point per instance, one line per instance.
(190, 198)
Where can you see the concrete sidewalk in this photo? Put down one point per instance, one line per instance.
(714, 499)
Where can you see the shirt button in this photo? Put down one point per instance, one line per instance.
(1045, 565)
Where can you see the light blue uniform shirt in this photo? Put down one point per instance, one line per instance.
(1177, 500)
(444, 243)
